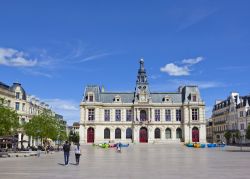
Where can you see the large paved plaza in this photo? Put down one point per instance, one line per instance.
(136, 161)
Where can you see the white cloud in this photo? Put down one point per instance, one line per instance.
(12, 57)
(194, 16)
(37, 73)
(68, 108)
(192, 61)
(62, 104)
(172, 85)
(174, 70)
(93, 57)
(200, 84)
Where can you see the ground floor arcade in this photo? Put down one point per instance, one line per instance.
(141, 134)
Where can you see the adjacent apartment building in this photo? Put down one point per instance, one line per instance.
(231, 114)
(26, 107)
(142, 116)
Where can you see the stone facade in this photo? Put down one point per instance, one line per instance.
(142, 116)
(231, 115)
(26, 107)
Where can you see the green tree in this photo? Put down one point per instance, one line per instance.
(43, 126)
(228, 135)
(248, 132)
(74, 137)
(237, 134)
(9, 120)
(62, 135)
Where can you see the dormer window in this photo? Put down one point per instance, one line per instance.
(90, 97)
(167, 99)
(194, 98)
(117, 99)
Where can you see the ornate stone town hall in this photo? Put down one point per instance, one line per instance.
(142, 116)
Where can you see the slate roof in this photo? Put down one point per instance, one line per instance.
(13, 87)
(158, 97)
(3, 85)
(128, 97)
(108, 97)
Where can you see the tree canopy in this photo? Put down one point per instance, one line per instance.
(9, 120)
(228, 135)
(74, 137)
(45, 126)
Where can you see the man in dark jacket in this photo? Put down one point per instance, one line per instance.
(66, 150)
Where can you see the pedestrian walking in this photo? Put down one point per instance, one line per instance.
(77, 153)
(119, 147)
(66, 150)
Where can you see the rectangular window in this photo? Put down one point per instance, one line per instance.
(129, 115)
(17, 95)
(23, 108)
(241, 126)
(157, 115)
(91, 98)
(241, 113)
(106, 115)
(117, 115)
(195, 114)
(194, 98)
(91, 114)
(168, 115)
(178, 115)
(17, 106)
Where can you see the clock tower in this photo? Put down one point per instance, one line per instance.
(142, 93)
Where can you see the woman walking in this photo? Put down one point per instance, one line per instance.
(77, 153)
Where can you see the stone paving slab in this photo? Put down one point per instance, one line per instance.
(136, 161)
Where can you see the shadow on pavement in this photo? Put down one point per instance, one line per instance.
(61, 164)
(72, 163)
(238, 150)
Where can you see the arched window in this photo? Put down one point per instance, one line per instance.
(106, 133)
(129, 133)
(157, 133)
(178, 133)
(168, 133)
(117, 133)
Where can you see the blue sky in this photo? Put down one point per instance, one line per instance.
(56, 48)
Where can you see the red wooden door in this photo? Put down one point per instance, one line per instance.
(143, 135)
(195, 135)
(90, 135)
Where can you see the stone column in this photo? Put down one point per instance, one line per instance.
(173, 131)
(83, 138)
(163, 138)
(19, 139)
